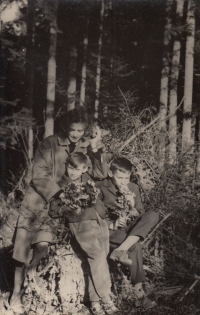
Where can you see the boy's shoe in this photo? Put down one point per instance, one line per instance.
(110, 308)
(121, 256)
(138, 291)
(97, 310)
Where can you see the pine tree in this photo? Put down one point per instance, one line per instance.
(71, 91)
(165, 79)
(188, 83)
(98, 72)
(30, 66)
(51, 75)
(84, 66)
(173, 98)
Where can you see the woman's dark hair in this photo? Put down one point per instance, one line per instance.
(76, 115)
(121, 164)
(77, 158)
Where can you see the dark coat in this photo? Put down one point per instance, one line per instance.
(58, 209)
(109, 194)
(48, 169)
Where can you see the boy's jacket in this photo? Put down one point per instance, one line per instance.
(58, 209)
(109, 194)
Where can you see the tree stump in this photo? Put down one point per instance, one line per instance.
(60, 287)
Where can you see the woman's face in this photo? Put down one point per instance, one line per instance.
(76, 131)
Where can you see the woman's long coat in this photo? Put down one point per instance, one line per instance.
(48, 169)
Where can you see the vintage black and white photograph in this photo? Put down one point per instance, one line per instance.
(100, 157)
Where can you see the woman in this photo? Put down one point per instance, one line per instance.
(33, 226)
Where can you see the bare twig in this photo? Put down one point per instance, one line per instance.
(43, 271)
(191, 287)
(145, 128)
(125, 99)
(137, 134)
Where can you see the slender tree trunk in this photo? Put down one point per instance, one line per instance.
(173, 99)
(165, 80)
(51, 75)
(109, 35)
(198, 156)
(193, 127)
(84, 66)
(30, 65)
(98, 73)
(3, 166)
(71, 91)
(188, 84)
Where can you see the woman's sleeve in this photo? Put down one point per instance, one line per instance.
(42, 179)
(99, 167)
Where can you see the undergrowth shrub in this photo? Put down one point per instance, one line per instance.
(171, 251)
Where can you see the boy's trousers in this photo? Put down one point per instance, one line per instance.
(140, 227)
(93, 237)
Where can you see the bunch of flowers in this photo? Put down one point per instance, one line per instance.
(80, 195)
(123, 207)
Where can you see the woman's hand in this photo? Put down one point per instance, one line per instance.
(95, 142)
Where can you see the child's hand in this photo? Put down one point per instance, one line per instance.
(120, 222)
(131, 201)
(76, 208)
(134, 212)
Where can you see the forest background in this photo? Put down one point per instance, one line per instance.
(135, 66)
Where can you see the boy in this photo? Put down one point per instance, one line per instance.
(91, 232)
(125, 243)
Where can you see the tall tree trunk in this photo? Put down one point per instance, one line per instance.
(109, 35)
(30, 62)
(165, 80)
(198, 148)
(3, 166)
(173, 99)
(84, 66)
(51, 74)
(71, 91)
(98, 73)
(188, 84)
